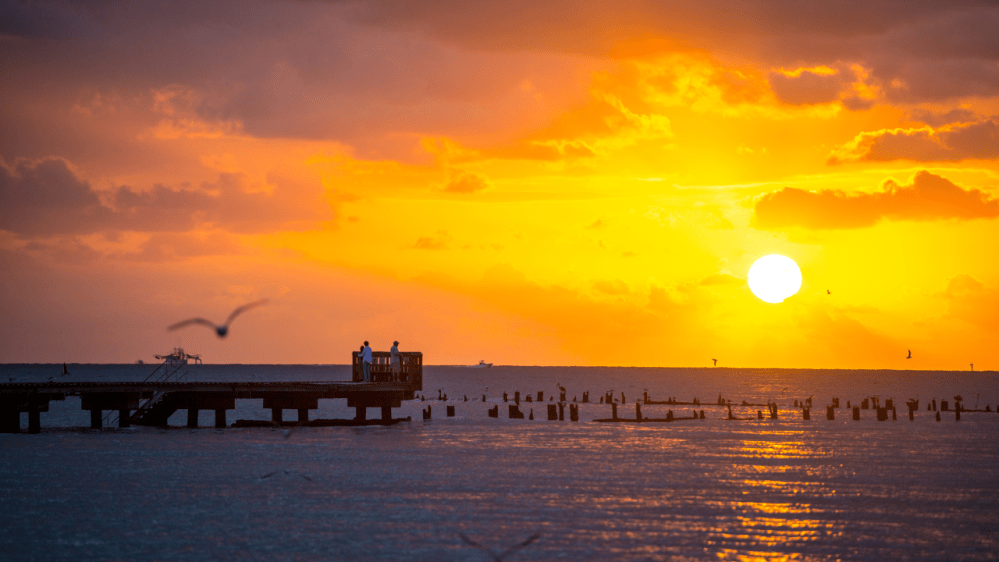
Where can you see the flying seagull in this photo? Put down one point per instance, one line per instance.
(828, 292)
(716, 362)
(224, 328)
(910, 355)
(499, 557)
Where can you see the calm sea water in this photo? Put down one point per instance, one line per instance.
(785, 489)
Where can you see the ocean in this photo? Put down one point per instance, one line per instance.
(469, 487)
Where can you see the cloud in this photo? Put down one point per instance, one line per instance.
(441, 241)
(948, 143)
(971, 301)
(929, 197)
(46, 197)
(824, 84)
(465, 182)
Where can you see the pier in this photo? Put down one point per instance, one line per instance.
(164, 392)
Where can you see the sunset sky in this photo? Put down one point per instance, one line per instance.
(553, 183)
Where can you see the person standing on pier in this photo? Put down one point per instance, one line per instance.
(366, 362)
(396, 361)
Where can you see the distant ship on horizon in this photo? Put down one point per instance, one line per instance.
(482, 365)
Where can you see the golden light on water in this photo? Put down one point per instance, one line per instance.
(774, 278)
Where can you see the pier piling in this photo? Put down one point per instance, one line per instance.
(192, 417)
(219, 418)
(552, 412)
(96, 419)
(11, 421)
(614, 410)
(831, 413)
(35, 421)
(450, 411)
(303, 415)
(124, 416)
(574, 412)
(856, 413)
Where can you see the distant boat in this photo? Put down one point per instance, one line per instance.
(482, 365)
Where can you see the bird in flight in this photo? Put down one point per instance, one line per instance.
(828, 292)
(716, 362)
(499, 557)
(910, 355)
(222, 330)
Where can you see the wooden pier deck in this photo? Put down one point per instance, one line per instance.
(152, 402)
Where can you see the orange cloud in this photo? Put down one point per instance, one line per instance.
(929, 197)
(46, 197)
(823, 84)
(949, 143)
(465, 182)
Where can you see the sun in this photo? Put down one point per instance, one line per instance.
(775, 277)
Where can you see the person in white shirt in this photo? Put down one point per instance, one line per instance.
(396, 362)
(366, 362)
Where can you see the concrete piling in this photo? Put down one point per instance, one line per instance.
(638, 411)
(494, 411)
(574, 412)
(96, 419)
(614, 410)
(561, 411)
(219, 418)
(450, 411)
(123, 417)
(831, 412)
(856, 413)
(34, 421)
(515, 413)
(552, 412)
(805, 414)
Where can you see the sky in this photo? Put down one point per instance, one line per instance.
(554, 183)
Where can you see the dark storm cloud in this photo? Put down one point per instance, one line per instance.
(355, 70)
(929, 197)
(46, 197)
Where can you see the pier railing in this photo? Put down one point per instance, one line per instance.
(381, 368)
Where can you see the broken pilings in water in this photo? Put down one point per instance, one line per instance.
(552, 412)
(515, 413)
(574, 412)
(450, 411)
(830, 413)
(494, 411)
(856, 413)
(805, 414)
